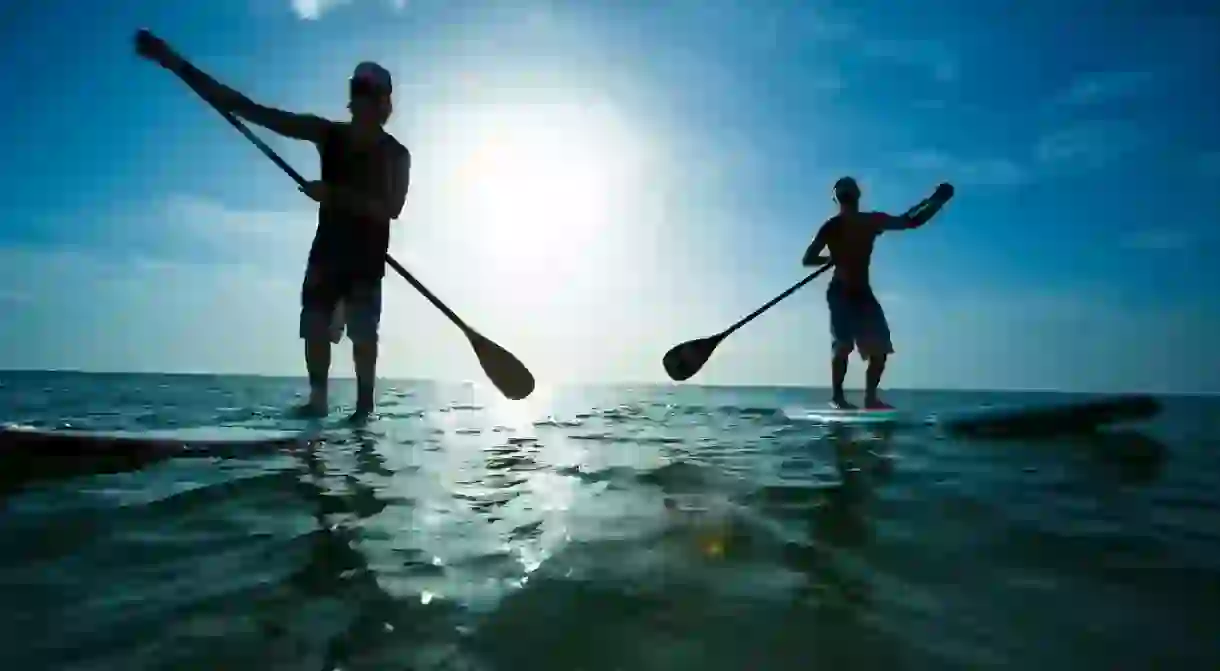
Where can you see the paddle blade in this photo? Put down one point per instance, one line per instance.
(686, 359)
(504, 370)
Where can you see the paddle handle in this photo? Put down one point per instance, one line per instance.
(296, 177)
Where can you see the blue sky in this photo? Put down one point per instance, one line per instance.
(596, 181)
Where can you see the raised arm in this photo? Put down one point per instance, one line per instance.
(297, 126)
(916, 216)
(813, 254)
(305, 127)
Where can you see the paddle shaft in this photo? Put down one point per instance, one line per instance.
(771, 303)
(296, 177)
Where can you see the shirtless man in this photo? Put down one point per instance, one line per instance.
(856, 318)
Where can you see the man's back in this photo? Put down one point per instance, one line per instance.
(850, 237)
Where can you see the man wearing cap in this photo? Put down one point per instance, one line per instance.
(365, 175)
(857, 320)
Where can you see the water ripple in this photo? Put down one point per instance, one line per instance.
(606, 528)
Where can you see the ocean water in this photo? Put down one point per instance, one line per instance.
(603, 528)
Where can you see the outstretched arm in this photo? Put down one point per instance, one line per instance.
(813, 254)
(296, 126)
(916, 216)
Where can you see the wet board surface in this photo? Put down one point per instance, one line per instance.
(829, 415)
(1014, 421)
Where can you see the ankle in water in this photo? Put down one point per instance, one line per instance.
(312, 409)
(361, 415)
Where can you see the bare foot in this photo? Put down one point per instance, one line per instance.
(315, 408)
(875, 403)
(362, 414)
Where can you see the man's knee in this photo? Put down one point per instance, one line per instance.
(364, 325)
(318, 325)
(875, 351)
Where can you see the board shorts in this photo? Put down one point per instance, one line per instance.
(857, 322)
(331, 305)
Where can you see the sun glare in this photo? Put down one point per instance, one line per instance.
(538, 180)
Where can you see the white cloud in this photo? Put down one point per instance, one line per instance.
(188, 228)
(311, 10)
(210, 219)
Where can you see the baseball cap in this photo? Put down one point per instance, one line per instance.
(370, 76)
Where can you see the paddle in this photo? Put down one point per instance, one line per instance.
(684, 360)
(504, 370)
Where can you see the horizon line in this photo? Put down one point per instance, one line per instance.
(621, 383)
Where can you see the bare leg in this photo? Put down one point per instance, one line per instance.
(364, 358)
(317, 363)
(838, 373)
(872, 380)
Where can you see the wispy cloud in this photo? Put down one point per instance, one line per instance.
(934, 57)
(973, 171)
(210, 219)
(311, 10)
(1100, 87)
(1088, 145)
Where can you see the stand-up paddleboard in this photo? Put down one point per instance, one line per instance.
(1051, 419)
(829, 415)
(1014, 421)
(29, 454)
(201, 440)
